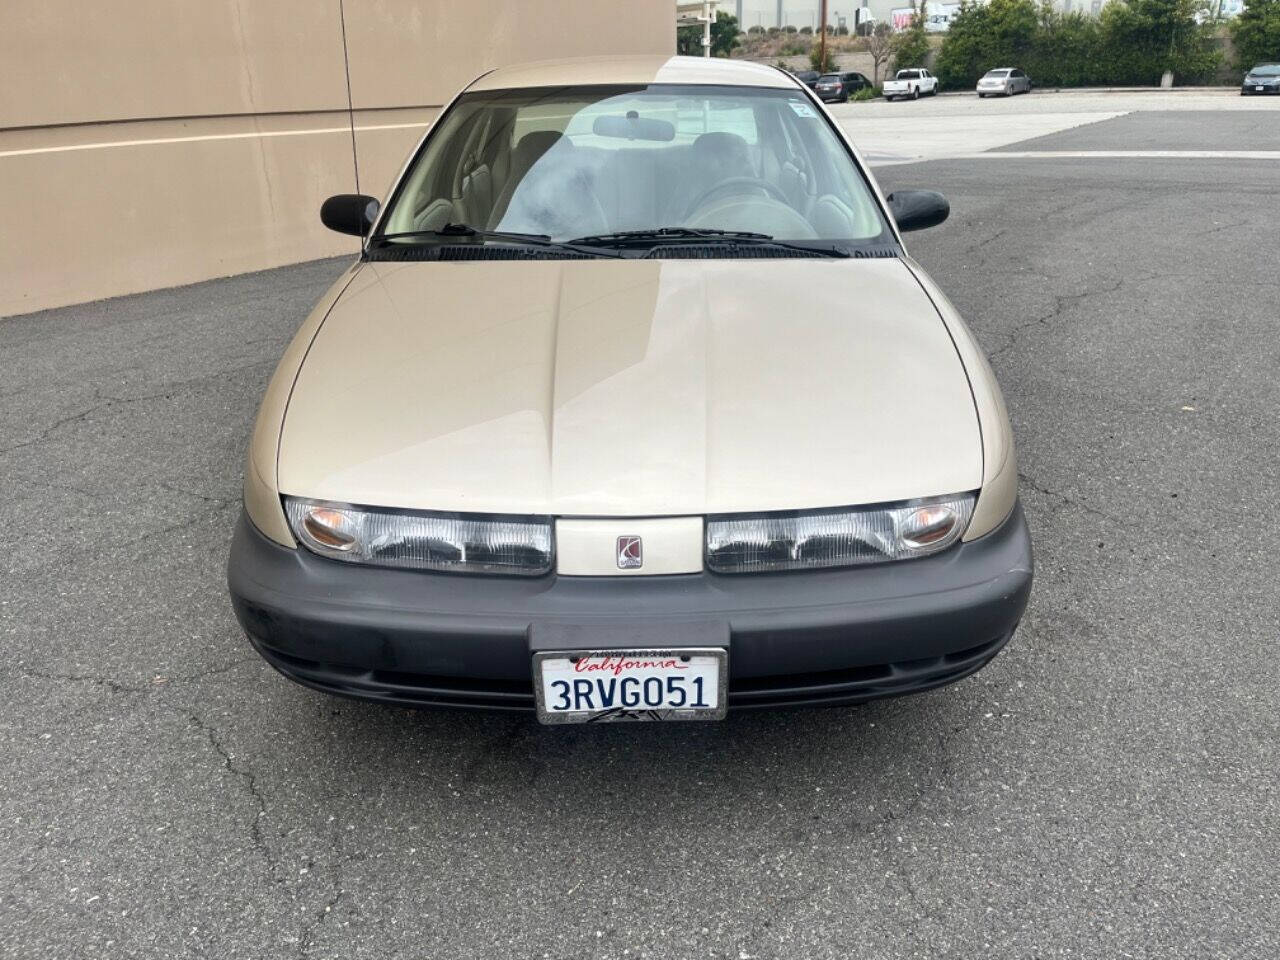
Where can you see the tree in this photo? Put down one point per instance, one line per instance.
(1013, 26)
(724, 37)
(878, 49)
(911, 46)
(1255, 33)
(1066, 49)
(1141, 39)
(966, 50)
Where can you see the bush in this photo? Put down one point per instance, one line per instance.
(757, 29)
(815, 60)
(866, 93)
(807, 31)
(1132, 43)
(1255, 33)
(1141, 39)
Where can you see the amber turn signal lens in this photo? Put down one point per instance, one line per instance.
(928, 525)
(325, 527)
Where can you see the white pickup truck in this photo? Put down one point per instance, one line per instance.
(914, 83)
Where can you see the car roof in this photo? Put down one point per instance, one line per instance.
(593, 71)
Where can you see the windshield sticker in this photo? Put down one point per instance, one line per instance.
(801, 109)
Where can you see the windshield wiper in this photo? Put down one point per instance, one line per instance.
(668, 233)
(465, 231)
(664, 235)
(468, 231)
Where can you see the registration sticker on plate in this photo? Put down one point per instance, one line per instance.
(592, 686)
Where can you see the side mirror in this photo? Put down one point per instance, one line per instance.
(918, 209)
(351, 213)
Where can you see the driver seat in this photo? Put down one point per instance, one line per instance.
(714, 158)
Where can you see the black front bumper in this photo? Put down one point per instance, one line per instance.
(822, 637)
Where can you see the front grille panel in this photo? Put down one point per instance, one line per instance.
(828, 687)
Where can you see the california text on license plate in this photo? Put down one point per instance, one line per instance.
(604, 685)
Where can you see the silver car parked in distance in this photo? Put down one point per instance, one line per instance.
(1005, 81)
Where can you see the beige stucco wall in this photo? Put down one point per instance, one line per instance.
(149, 143)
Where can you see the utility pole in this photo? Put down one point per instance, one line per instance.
(822, 39)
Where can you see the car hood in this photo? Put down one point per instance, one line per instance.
(631, 388)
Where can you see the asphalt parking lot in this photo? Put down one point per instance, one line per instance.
(1106, 788)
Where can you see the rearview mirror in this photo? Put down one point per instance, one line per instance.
(634, 127)
(351, 213)
(918, 209)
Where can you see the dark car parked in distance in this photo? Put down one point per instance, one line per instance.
(1263, 78)
(808, 77)
(836, 87)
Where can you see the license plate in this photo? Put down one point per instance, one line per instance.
(593, 686)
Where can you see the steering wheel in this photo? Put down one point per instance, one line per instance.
(773, 190)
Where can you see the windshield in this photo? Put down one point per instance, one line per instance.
(908, 74)
(996, 74)
(574, 162)
(1266, 70)
(829, 78)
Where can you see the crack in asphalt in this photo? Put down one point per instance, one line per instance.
(221, 501)
(1191, 536)
(104, 402)
(110, 683)
(1070, 501)
(120, 686)
(107, 402)
(247, 777)
(982, 243)
(307, 935)
(1061, 302)
(893, 817)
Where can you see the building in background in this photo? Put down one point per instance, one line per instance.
(150, 143)
(803, 13)
(937, 16)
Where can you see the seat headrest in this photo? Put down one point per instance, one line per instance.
(533, 145)
(721, 144)
(727, 151)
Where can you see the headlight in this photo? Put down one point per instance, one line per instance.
(449, 543)
(836, 538)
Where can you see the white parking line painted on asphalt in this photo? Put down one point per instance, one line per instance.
(908, 139)
(961, 127)
(880, 160)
